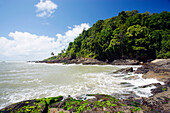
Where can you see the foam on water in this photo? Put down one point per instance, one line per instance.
(48, 80)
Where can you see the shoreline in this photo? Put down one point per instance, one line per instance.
(158, 102)
(90, 61)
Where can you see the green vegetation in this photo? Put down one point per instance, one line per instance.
(164, 89)
(129, 35)
(135, 109)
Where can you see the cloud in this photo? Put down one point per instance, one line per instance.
(69, 27)
(45, 8)
(71, 34)
(27, 46)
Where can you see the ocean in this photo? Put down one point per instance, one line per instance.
(23, 81)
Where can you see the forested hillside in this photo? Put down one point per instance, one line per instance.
(130, 35)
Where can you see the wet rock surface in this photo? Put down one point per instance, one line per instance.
(99, 104)
(125, 70)
(159, 69)
(125, 62)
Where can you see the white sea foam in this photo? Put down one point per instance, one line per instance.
(126, 66)
(49, 80)
(32, 81)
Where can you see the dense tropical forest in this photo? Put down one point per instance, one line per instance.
(130, 35)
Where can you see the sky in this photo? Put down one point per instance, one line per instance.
(32, 29)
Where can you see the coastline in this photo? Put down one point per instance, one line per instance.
(158, 102)
(91, 61)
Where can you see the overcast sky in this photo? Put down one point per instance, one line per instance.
(32, 29)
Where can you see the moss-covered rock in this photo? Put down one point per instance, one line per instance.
(32, 106)
(99, 104)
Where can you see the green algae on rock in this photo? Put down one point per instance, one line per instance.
(31, 106)
(102, 103)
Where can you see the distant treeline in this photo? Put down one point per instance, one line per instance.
(130, 35)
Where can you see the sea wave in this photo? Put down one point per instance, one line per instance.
(49, 80)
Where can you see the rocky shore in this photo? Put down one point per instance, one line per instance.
(99, 103)
(91, 61)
